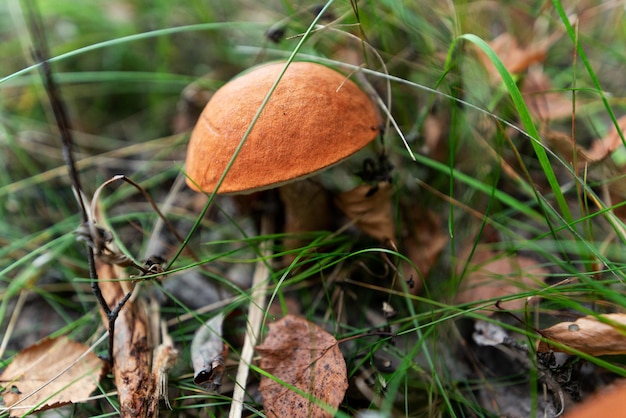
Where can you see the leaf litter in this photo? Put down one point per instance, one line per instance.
(517, 59)
(299, 353)
(370, 209)
(594, 335)
(493, 275)
(49, 374)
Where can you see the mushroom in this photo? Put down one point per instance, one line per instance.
(315, 118)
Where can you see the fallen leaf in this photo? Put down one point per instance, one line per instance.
(515, 58)
(599, 168)
(50, 374)
(370, 209)
(435, 135)
(494, 276)
(596, 336)
(542, 99)
(207, 354)
(301, 354)
(601, 148)
(422, 244)
(565, 146)
(617, 189)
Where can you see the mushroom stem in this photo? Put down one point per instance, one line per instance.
(256, 312)
(307, 207)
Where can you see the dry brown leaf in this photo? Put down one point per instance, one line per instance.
(493, 276)
(435, 136)
(596, 336)
(516, 59)
(543, 102)
(617, 189)
(599, 150)
(603, 168)
(370, 209)
(565, 146)
(423, 243)
(603, 147)
(37, 380)
(303, 355)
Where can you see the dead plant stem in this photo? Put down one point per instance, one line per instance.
(41, 55)
(256, 312)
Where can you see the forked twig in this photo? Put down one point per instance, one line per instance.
(41, 55)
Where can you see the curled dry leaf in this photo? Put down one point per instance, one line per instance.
(207, 354)
(50, 374)
(422, 244)
(601, 148)
(494, 276)
(596, 336)
(370, 209)
(303, 355)
(515, 58)
(565, 146)
(605, 169)
(543, 100)
(435, 136)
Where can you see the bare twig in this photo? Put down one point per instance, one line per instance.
(146, 195)
(41, 55)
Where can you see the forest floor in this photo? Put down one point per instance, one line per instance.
(467, 262)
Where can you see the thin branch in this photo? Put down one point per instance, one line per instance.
(41, 56)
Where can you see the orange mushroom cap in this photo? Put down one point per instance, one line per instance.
(315, 118)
